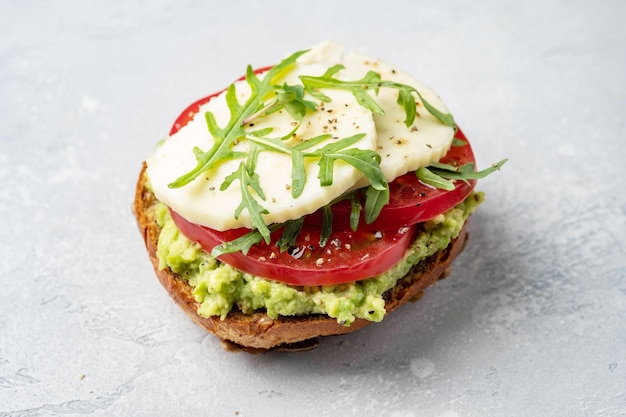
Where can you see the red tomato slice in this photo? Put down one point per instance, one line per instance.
(347, 256)
(194, 107)
(410, 200)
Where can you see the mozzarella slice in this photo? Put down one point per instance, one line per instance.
(202, 201)
(402, 149)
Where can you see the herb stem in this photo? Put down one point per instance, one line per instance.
(260, 113)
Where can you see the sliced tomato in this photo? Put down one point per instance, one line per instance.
(347, 256)
(410, 200)
(194, 107)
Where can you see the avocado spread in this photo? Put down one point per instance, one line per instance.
(219, 288)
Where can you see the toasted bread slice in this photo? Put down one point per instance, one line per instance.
(258, 332)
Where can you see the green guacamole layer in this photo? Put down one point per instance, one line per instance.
(219, 288)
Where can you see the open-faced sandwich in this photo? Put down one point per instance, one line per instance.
(307, 199)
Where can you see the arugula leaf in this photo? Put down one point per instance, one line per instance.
(241, 244)
(292, 99)
(366, 161)
(355, 210)
(289, 97)
(458, 142)
(445, 118)
(426, 176)
(372, 81)
(327, 225)
(466, 172)
(247, 181)
(441, 175)
(229, 134)
(290, 233)
(298, 173)
(375, 200)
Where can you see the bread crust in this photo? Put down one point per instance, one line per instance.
(258, 332)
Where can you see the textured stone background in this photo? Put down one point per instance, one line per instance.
(532, 322)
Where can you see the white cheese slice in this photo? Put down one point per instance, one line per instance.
(402, 149)
(202, 202)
